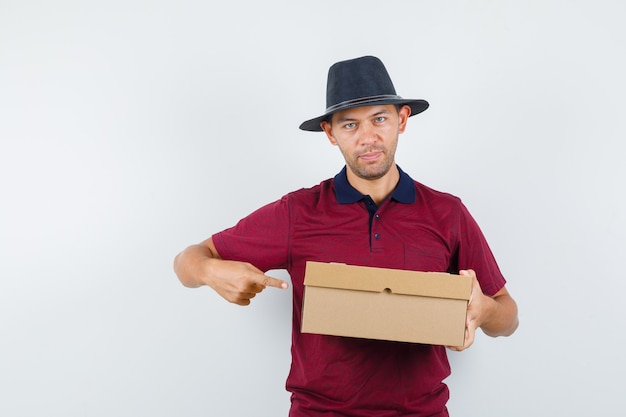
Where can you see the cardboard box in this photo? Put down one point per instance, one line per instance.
(385, 304)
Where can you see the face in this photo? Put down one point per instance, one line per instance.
(368, 137)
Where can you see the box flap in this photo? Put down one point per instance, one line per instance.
(396, 281)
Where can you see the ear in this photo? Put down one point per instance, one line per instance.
(327, 128)
(403, 117)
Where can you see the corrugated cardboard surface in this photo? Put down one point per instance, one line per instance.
(386, 304)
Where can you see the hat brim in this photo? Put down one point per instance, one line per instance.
(314, 125)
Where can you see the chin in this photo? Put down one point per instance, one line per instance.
(371, 174)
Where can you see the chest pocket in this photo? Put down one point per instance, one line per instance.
(426, 258)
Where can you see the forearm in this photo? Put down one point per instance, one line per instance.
(502, 319)
(237, 282)
(189, 264)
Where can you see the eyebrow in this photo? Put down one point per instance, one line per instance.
(350, 119)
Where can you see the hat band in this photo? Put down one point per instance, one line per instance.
(361, 100)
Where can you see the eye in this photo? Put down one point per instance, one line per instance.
(349, 125)
(380, 119)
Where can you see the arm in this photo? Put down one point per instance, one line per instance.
(495, 315)
(236, 282)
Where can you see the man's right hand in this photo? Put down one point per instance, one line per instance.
(236, 282)
(239, 282)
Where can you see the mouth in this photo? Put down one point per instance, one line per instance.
(371, 156)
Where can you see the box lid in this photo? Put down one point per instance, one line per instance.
(396, 281)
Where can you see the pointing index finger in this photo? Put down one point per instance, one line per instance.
(273, 282)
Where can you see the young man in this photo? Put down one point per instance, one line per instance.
(370, 214)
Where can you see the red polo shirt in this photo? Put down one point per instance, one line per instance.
(417, 228)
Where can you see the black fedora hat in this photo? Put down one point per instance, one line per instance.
(359, 82)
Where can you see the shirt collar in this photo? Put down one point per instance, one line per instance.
(347, 194)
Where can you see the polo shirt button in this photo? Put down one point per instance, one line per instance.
(377, 216)
(377, 236)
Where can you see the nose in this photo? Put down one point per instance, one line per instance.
(367, 133)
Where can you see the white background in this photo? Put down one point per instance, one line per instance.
(131, 129)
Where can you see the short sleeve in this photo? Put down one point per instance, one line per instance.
(261, 238)
(475, 253)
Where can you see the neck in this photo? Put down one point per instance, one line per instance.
(378, 189)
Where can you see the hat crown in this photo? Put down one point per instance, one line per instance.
(357, 79)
